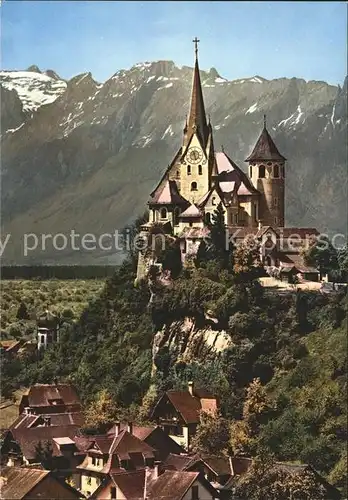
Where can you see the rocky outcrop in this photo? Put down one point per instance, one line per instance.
(186, 341)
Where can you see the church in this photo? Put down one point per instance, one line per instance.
(199, 178)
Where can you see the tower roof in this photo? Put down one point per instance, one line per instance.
(197, 121)
(265, 149)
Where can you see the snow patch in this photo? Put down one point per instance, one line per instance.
(252, 109)
(12, 130)
(220, 80)
(168, 131)
(33, 89)
(293, 119)
(166, 86)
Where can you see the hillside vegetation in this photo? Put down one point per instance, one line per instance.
(295, 345)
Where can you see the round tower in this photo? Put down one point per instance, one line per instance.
(267, 173)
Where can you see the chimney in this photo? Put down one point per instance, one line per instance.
(190, 388)
(117, 428)
(130, 427)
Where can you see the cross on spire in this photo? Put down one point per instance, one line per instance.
(196, 42)
(264, 121)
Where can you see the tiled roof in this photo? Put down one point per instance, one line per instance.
(167, 194)
(229, 173)
(194, 232)
(41, 394)
(171, 485)
(30, 420)
(137, 431)
(188, 406)
(28, 439)
(265, 149)
(19, 481)
(288, 260)
(130, 483)
(179, 462)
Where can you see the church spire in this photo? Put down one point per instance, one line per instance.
(197, 121)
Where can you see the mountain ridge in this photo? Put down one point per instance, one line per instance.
(104, 145)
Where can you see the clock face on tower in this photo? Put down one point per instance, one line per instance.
(195, 155)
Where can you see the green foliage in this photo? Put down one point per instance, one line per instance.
(212, 436)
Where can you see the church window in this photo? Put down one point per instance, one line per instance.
(113, 493)
(275, 202)
(283, 172)
(163, 213)
(207, 218)
(276, 171)
(236, 219)
(250, 171)
(190, 224)
(176, 216)
(213, 200)
(200, 170)
(275, 220)
(262, 172)
(177, 174)
(188, 169)
(193, 186)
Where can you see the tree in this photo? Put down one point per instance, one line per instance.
(219, 248)
(212, 434)
(22, 312)
(102, 412)
(247, 262)
(257, 409)
(266, 479)
(322, 255)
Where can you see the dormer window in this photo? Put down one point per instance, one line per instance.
(276, 171)
(262, 171)
(200, 171)
(193, 186)
(188, 169)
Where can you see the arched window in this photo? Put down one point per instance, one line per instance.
(207, 218)
(163, 213)
(188, 169)
(262, 172)
(283, 172)
(276, 171)
(193, 186)
(200, 170)
(250, 171)
(213, 200)
(177, 174)
(275, 220)
(176, 216)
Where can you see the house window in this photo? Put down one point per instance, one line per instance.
(262, 172)
(193, 186)
(190, 224)
(213, 200)
(276, 171)
(88, 480)
(200, 170)
(188, 169)
(163, 213)
(194, 492)
(113, 493)
(94, 461)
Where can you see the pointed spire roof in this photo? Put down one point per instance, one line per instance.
(197, 121)
(167, 194)
(265, 149)
(192, 212)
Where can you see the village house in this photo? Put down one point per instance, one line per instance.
(23, 483)
(178, 412)
(51, 398)
(111, 454)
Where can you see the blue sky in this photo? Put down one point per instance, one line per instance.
(239, 39)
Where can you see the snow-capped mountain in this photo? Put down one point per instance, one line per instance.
(34, 89)
(85, 155)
